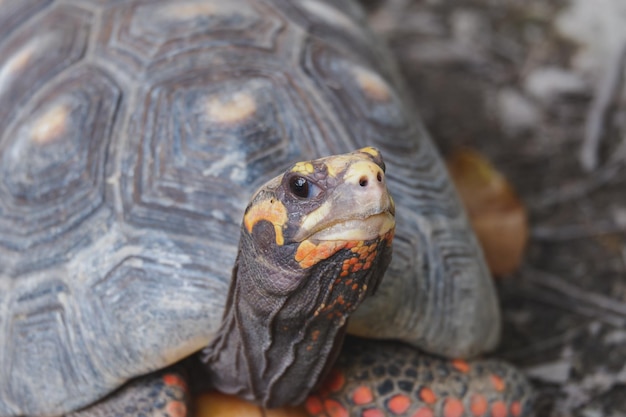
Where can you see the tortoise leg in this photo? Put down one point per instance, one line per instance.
(377, 379)
(160, 394)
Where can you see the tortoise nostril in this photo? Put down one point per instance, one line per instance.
(379, 177)
(363, 181)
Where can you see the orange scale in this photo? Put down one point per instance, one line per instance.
(498, 409)
(516, 409)
(427, 395)
(498, 383)
(423, 412)
(314, 405)
(335, 409)
(304, 250)
(478, 405)
(362, 395)
(176, 409)
(373, 412)
(398, 404)
(367, 265)
(173, 379)
(461, 365)
(453, 407)
(351, 244)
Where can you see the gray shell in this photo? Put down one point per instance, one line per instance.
(125, 169)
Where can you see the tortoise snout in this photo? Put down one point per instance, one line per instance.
(375, 177)
(368, 186)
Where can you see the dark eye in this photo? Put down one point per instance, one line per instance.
(302, 187)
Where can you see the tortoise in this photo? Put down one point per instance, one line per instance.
(134, 135)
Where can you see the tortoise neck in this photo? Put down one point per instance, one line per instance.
(272, 348)
(284, 324)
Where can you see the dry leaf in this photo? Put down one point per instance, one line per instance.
(496, 213)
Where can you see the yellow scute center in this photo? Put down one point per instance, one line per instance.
(234, 109)
(51, 125)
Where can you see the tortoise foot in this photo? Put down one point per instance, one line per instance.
(162, 394)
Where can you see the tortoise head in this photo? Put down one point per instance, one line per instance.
(315, 242)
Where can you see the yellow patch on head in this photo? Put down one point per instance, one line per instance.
(358, 170)
(303, 168)
(316, 216)
(370, 150)
(50, 125)
(270, 210)
(338, 164)
(236, 108)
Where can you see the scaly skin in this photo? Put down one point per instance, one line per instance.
(377, 379)
(162, 394)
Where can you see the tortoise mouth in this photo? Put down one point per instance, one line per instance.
(368, 228)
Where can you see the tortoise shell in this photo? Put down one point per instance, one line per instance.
(133, 134)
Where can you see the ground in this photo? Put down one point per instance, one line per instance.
(536, 87)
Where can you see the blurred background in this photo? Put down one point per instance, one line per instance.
(526, 100)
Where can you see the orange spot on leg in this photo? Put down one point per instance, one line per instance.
(314, 405)
(398, 404)
(498, 409)
(478, 405)
(373, 412)
(427, 395)
(423, 412)
(176, 409)
(335, 381)
(334, 409)
(498, 383)
(461, 366)
(362, 395)
(174, 379)
(453, 407)
(516, 409)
